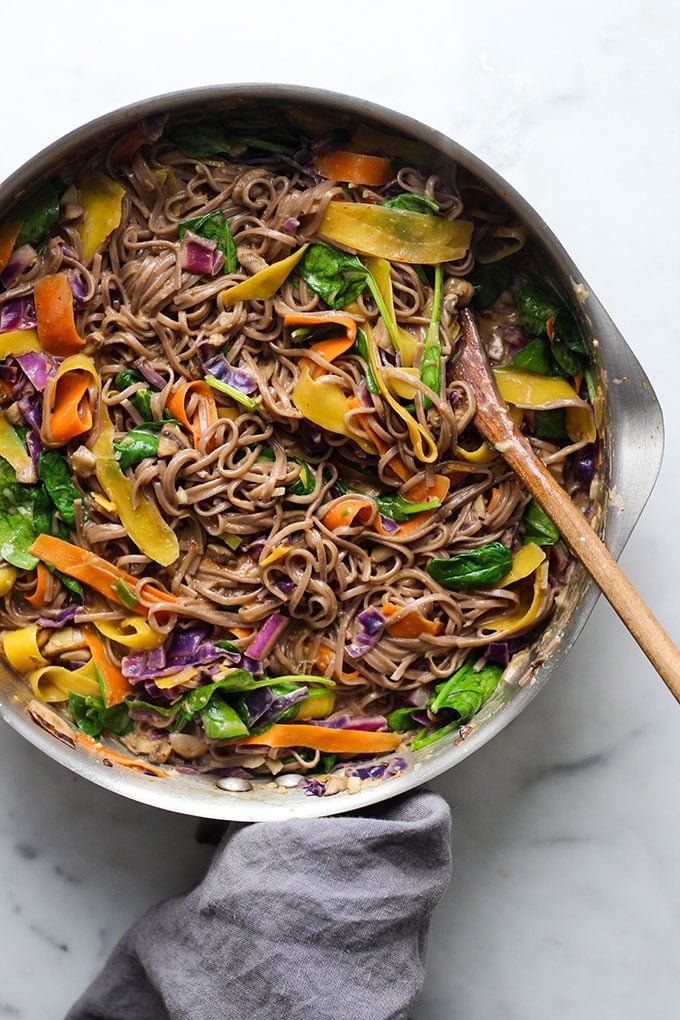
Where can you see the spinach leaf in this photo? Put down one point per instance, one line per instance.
(466, 691)
(568, 347)
(54, 472)
(489, 281)
(534, 357)
(306, 482)
(412, 202)
(214, 226)
(361, 348)
(401, 720)
(38, 213)
(536, 306)
(91, 715)
(336, 276)
(198, 138)
(221, 721)
(140, 442)
(141, 399)
(399, 509)
(550, 424)
(538, 528)
(25, 512)
(482, 566)
(425, 737)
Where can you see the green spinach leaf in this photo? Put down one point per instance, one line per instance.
(38, 212)
(466, 691)
(479, 567)
(221, 721)
(91, 715)
(54, 472)
(538, 528)
(336, 276)
(535, 306)
(399, 509)
(534, 357)
(140, 442)
(412, 203)
(489, 281)
(25, 512)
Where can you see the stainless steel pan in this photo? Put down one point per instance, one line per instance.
(633, 446)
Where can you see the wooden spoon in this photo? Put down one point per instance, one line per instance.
(495, 424)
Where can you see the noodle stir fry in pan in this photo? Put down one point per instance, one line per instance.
(246, 524)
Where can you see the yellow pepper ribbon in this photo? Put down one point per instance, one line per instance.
(263, 285)
(102, 203)
(143, 522)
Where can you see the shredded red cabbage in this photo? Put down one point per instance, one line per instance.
(220, 368)
(17, 314)
(372, 623)
(265, 638)
(21, 258)
(200, 254)
(37, 367)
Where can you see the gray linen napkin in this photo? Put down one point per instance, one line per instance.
(320, 919)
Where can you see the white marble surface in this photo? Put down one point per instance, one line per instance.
(565, 899)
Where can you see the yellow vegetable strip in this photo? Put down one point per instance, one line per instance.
(545, 393)
(403, 341)
(102, 202)
(18, 342)
(133, 632)
(263, 285)
(528, 612)
(14, 452)
(21, 649)
(395, 234)
(55, 683)
(424, 446)
(142, 520)
(524, 562)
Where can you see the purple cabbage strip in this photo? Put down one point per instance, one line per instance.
(19, 313)
(37, 367)
(150, 374)
(78, 286)
(20, 259)
(265, 711)
(267, 635)
(187, 648)
(154, 125)
(584, 465)
(32, 413)
(498, 651)
(200, 254)
(343, 721)
(62, 618)
(372, 624)
(220, 368)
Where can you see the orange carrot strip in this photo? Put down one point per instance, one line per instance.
(348, 511)
(418, 493)
(354, 167)
(413, 625)
(329, 350)
(116, 686)
(54, 314)
(37, 598)
(347, 322)
(323, 738)
(8, 236)
(396, 463)
(204, 414)
(323, 661)
(72, 412)
(126, 147)
(114, 758)
(494, 496)
(92, 570)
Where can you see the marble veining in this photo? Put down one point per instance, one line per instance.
(565, 897)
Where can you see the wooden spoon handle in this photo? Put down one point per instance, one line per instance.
(494, 422)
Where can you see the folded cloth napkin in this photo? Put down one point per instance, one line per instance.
(314, 919)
